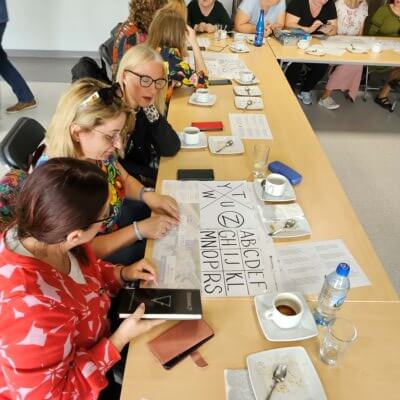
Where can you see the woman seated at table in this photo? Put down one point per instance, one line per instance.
(90, 123)
(143, 77)
(351, 17)
(179, 6)
(206, 15)
(134, 30)
(249, 11)
(312, 16)
(168, 35)
(386, 22)
(56, 293)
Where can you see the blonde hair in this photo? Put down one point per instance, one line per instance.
(140, 55)
(178, 6)
(168, 29)
(70, 110)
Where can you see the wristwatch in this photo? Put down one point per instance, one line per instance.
(143, 190)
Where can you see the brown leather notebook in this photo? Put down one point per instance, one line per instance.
(181, 340)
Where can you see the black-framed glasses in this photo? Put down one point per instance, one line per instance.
(108, 219)
(107, 94)
(146, 81)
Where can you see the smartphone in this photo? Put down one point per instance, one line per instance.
(209, 125)
(195, 174)
(215, 82)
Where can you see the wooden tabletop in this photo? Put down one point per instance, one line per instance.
(293, 53)
(331, 216)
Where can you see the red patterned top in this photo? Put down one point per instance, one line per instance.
(53, 330)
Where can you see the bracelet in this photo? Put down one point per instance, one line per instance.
(144, 190)
(120, 275)
(137, 232)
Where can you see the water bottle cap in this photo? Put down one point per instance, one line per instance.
(343, 269)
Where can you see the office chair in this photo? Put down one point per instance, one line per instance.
(19, 146)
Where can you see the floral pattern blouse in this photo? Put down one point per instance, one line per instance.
(179, 71)
(351, 20)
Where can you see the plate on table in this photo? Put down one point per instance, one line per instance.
(315, 50)
(253, 82)
(247, 90)
(302, 228)
(302, 381)
(235, 49)
(305, 330)
(209, 103)
(249, 103)
(288, 195)
(202, 142)
(357, 50)
(217, 142)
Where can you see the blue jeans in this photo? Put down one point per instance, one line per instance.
(11, 75)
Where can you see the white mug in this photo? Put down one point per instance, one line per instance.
(239, 46)
(287, 310)
(246, 76)
(376, 48)
(239, 37)
(202, 95)
(191, 135)
(274, 184)
(303, 44)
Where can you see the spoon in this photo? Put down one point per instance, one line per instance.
(278, 376)
(227, 144)
(290, 223)
(248, 104)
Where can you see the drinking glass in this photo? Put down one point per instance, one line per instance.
(260, 159)
(339, 335)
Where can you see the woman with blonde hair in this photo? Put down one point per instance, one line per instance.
(179, 6)
(168, 34)
(134, 30)
(91, 122)
(143, 79)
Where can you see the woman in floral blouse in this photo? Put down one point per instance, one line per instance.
(55, 294)
(168, 34)
(91, 122)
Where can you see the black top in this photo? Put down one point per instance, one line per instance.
(301, 9)
(218, 15)
(149, 141)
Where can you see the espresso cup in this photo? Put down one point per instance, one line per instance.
(239, 37)
(287, 310)
(376, 48)
(239, 46)
(202, 95)
(246, 76)
(274, 185)
(191, 135)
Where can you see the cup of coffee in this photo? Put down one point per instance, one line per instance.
(202, 95)
(287, 310)
(376, 48)
(303, 44)
(239, 37)
(246, 76)
(274, 185)
(191, 135)
(239, 46)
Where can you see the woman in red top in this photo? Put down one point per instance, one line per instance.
(54, 293)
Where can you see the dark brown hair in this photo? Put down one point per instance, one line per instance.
(141, 12)
(61, 196)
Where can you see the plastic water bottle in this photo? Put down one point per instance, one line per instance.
(259, 38)
(333, 294)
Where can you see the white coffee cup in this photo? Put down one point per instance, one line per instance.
(202, 95)
(239, 46)
(246, 76)
(239, 37)
(303, 44)
(376, 48)
(274, 184)
(286, 311)
(191, 135)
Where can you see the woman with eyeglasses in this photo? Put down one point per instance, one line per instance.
(168, 34)
(143, 78)
(55, 341)
(90, 123)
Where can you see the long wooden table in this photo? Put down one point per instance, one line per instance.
(389, 58)
(374, 309)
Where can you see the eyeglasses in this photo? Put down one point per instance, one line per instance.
(110, 138)
(108, 219)
(146, 81)
(108, 95)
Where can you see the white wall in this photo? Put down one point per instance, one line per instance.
(65, 25)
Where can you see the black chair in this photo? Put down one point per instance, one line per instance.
(21, 143)
(105, 50)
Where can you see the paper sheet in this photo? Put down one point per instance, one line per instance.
(341, 42)
(250, 126)
(304, 266)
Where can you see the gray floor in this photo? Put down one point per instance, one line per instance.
(361, 140)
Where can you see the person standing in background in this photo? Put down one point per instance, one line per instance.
(9, 72)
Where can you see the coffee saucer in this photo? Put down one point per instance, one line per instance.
(247, 90)
(235, 49)
(306, 329)
(249, 103)
(288, 194)
(202, 142)
(211, 101)
(356, 50)
(253, 82)
(216, 145)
